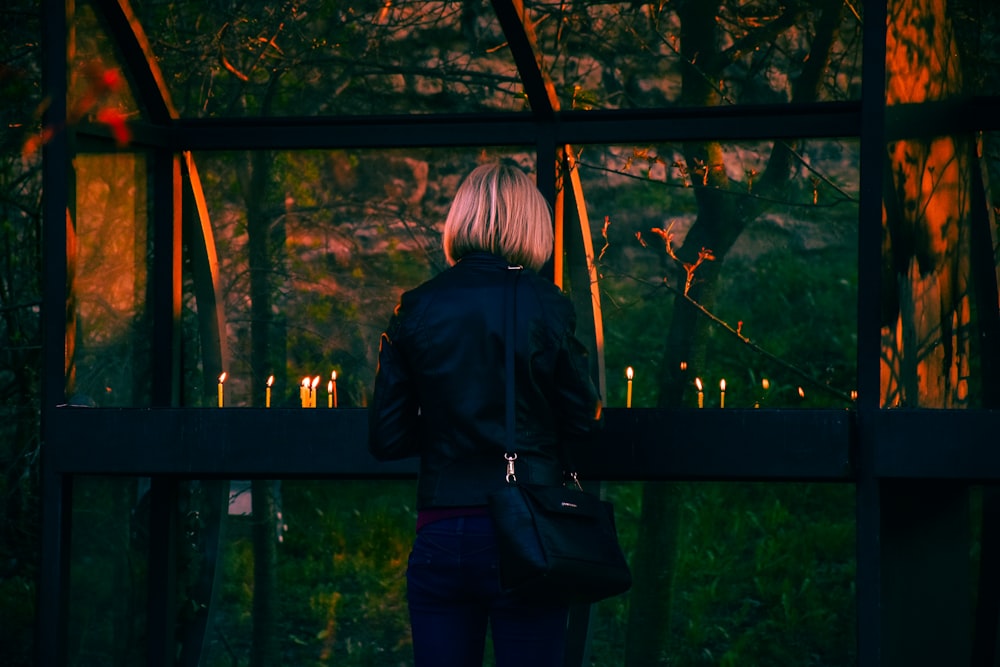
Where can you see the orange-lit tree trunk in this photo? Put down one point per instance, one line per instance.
(926, 332)
(926, 313)
(720, 220)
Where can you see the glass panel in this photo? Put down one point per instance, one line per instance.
(98, 91)
(108, 572)
(929, 321)
(990, 173)
(771, 583)
(337, 590)
(21, 240)
(344, 233)
(634, 55)
(327, 58)
(734, 574)
(977, 30)
(726, 262)
(109, 336)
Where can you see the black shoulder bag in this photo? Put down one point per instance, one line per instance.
(557, 544)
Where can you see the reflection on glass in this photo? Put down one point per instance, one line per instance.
(630, 55)
(327, 58)
(928, 322)
(108, 353)
(108, 571)
(339, 586)
(314, 249)
(97, 86)
(726, 263)
(975, 24)
(739, 573)
(770, 583)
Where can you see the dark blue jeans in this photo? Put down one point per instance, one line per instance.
(454, 593)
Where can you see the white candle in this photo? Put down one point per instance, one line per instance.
(628, 393)
(222, 379)
(312, 392)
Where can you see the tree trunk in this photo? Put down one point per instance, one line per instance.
(261, 261)
(265, 562)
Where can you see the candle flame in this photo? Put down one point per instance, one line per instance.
(270, 381)
(329, 386)
(222, 378)
(333, 376)
(628, 373)
(722, 384)
(765, 383)
(305, 382)
(802, 392)
(684, 365)
(315, 382)
(697, 383)
(854, 394)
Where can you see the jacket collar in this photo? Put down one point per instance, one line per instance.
(481, 258)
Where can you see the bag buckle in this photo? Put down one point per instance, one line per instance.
(511, 477)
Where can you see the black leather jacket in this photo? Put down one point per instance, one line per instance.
(439, 388)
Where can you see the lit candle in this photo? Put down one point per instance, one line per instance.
(628, 393)
(312, 392)
(267, 392)
(722, 393)
(222, 379)
(333, 387)
(802, 392)
(304, 393)
(329, 394)
(701, 395)
(765, 384)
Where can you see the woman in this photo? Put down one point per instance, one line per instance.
(439, 395)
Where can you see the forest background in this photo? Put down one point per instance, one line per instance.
(729, 573)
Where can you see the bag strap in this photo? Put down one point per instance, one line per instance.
(510, 303)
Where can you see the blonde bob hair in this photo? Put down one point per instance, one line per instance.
(499, 210)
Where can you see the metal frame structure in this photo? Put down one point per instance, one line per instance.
(896, 459)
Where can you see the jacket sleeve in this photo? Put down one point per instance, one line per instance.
(577, 401)
(394, 413)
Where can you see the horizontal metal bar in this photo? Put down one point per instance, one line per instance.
(637, 444)
(940, 118)
(726, 444)
(937, 444)
(574, 127)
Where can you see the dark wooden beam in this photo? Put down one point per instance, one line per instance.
(638, 444)
(575, 127)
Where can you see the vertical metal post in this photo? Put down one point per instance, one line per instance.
(868, 507)
(161, 607)
(53, 576)
(50, 636)
(165, 213)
